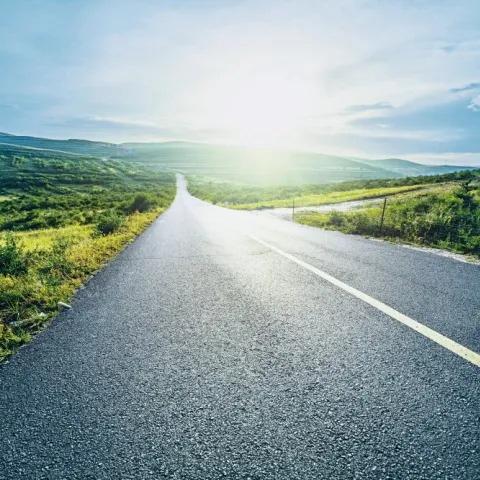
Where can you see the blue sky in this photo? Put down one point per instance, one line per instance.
(368, 78)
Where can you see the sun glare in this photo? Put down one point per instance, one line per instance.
(260, 109)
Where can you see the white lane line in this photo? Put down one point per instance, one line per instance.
(445, 342)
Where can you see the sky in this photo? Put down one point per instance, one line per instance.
(367, 78)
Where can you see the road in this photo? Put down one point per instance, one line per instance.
(286, 213)
(213, 348)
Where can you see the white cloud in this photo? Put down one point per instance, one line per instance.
(475, 104)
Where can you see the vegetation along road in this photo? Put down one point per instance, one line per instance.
(222, 344)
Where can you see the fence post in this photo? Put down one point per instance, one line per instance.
(383, 215)
(293, 210)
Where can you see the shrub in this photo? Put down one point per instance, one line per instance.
(141, 203)
(336, 219)
(361, 223)
(54, 264)
(110, 224)
(13, 261)
(266, 207)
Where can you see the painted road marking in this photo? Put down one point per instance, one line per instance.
(445, 342)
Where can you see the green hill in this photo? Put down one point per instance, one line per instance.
(253, 165)
(407, 167)
(240, 164)
(62, 217)
(23, 167)
(42, 188)
(86, 147)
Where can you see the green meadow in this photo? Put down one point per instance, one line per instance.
(250, 197)
(62, 218)
(441, 211)
(446, 218)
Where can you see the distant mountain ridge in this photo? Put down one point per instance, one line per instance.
(85, 147)
(409, 168)
(237, 163)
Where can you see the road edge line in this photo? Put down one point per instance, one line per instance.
(427, 332)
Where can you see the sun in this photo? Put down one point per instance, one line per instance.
(260, 109)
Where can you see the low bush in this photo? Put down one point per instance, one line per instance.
(110, 223)
(142, 203)
(13, 260)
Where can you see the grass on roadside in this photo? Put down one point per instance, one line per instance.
(447, 218)
(62, 217)
(43, 267)
(242, 196)
(328, 198)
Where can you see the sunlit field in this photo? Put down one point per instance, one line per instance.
(446, 217)
(62, 218)
(47, 267)
(249, 197)
(442, 211)
(329, 198)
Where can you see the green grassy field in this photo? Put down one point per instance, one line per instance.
(447, 217)
(441, 211)
(248, 197)
(84, 147)
(241, 164)
(41, 189)
(62, 217)
(329, 198)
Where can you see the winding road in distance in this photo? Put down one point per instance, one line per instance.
(225, 344)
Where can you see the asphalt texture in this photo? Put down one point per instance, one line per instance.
(199, 353)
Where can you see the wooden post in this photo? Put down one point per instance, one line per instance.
(383, 215)
(293, 211)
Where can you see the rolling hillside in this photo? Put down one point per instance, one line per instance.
(240, 164)
(85, 147)
(23, 169)
(406, 167)
(253, 165)
(62, 217)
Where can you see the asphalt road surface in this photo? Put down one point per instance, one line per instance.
(213, 348)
